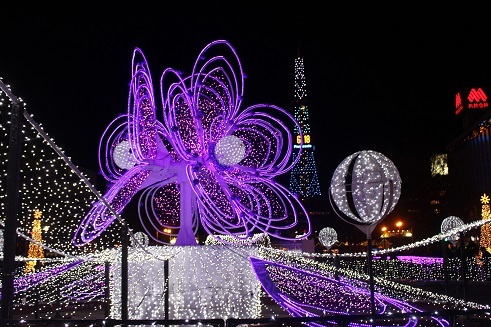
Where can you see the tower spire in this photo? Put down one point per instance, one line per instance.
(303, 177)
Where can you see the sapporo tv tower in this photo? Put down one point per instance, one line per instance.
(303, 177)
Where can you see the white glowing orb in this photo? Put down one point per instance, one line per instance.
(450, 223)
(123, 157)
(140, 239)
(229, 150)
(365, 187)
(328, 236)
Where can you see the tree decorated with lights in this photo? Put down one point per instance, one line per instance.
(303, 178)
(485, 238)
(35, 251)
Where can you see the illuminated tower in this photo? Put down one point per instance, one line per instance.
(303, 178)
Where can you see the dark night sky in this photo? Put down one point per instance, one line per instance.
(378, 78)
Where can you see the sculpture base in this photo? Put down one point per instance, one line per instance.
(204, 282)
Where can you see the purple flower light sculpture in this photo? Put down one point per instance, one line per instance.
(200, 159)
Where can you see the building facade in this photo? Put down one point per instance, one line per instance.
(469, 155)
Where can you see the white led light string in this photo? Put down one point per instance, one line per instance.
(208, 273)
(49, 296)
(390, 288)
(37, 127)
(425, 242)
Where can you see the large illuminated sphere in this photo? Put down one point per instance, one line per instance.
(450, 223)
(229, 150)
(328, 236)
(122, 155)
(365, 187)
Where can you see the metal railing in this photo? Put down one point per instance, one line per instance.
(450, 318)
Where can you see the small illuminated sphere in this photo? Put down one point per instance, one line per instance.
(229, 150)
(123, 157)
(141, 238)
(328, 236)
(365, 187)
(450, 223)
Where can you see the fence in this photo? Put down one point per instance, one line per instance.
(450, 318)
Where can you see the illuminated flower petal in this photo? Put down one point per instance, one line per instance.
(139, 129)
(118, 196)
(202, 111)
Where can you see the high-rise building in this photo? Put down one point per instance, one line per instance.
(304, 180)
(469, 160)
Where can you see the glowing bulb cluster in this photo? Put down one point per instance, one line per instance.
(229, 150)
(365, 187)
(123, 156)
(328, 236)
(450, 223)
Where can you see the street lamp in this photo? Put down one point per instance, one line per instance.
(385, 234)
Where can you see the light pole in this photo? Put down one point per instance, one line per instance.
(364, 189)
(384, 236)
(449, 226)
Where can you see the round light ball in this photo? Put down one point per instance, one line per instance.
(365, 187)
(229, 150)
(450, 223)
(328, 236)
(140, 238)
(123, 157)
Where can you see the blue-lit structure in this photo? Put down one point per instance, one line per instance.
(303, 177)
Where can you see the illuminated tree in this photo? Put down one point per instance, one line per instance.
(485, 239)
(439, 165)
(35, 250)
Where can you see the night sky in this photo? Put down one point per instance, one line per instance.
(378, 78)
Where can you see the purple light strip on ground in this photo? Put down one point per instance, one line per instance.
(24, 283)
(297, 309)
(420, 260)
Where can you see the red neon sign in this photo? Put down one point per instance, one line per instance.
(476, 99)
